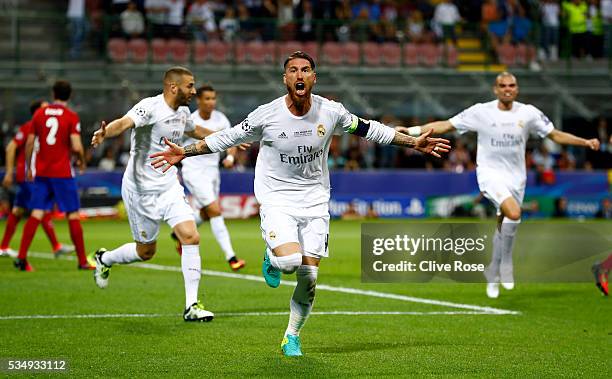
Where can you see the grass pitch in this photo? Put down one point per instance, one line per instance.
(134, 328)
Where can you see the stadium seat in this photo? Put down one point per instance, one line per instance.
(159, 48)
(179, 50)
(411, 54)
(350, 50)
(430, 54)
(200, 52)
(391, 54)
(117, 49)
(521, 54)
(451, 57)
(332, 54)
(219, 52)
(286, 48)
(372, 53)
(524, 54)
(259, 52)
(312, 49)
(240, 52)
(139, 50)
(506, 54)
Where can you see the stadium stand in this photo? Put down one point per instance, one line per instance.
(117, 50)
(179, 51)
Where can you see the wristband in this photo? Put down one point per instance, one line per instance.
(414, 131)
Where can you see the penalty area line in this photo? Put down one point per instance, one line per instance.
(240, 314)
(321, 287)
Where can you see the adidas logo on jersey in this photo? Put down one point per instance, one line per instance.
(282, 136)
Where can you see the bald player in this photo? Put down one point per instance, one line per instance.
(503, 127)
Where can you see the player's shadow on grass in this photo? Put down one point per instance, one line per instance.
(374, 346)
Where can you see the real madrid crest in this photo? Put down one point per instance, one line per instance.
(521, 124)
(320, 130)
(272, 235)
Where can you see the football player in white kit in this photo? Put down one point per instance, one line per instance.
(503, 127)
(201, 174)
(292, 179)
(152, 196)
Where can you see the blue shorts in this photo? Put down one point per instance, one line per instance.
(63, 191)
(22, 197)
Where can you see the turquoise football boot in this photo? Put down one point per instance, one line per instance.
(291, 346)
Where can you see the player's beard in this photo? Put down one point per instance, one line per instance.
(299, 101)
(182, 98)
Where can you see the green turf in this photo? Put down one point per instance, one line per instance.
(562, 329)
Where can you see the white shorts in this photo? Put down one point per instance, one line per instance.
(146, 211)
(307, 226)
(497, 191)
(203, 185)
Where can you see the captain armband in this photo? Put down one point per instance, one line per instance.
(359, 127)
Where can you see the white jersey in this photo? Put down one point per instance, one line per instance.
(216, 122)
(502, 138)
(291, 168)
(153, 120)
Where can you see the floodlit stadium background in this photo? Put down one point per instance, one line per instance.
(383, 59)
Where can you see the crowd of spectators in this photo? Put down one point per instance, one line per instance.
(351, 153)
(587, 24)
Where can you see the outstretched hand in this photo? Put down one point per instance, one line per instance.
(169, 157)
(98, 136)
(434, 146)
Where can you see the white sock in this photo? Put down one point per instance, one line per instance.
(492, 271)
(302, 299)
(192, 271)
(217, 225)
(508, 234)
(123, 254)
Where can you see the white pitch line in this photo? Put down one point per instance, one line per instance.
(323, 287)
(238, 314)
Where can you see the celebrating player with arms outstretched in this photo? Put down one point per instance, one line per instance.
(292, 180)
(503, 126)
(152, 196)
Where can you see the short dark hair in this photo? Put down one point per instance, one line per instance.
(177, 71)
(204, 88)
(34, 105)
(62, 90)
(300, 54)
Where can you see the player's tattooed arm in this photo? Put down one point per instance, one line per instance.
(401, 139)
(197, 148)
(175, 153)
(424, 143)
